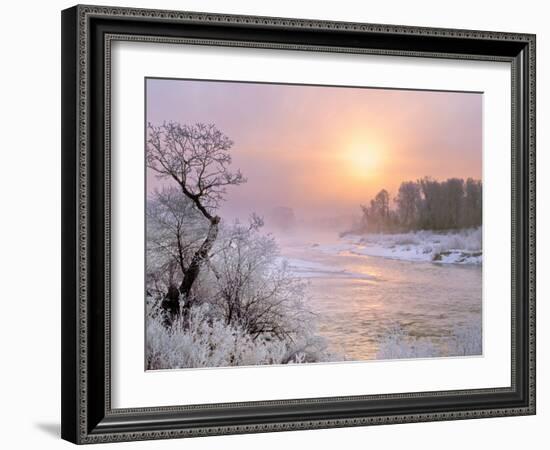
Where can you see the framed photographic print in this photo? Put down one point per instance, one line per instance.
(267, 222)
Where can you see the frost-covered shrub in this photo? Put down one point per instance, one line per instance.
(459, 247)
(469, 240)
(206, 341)
(473, 239)
(247, 307)
(397, 344)
(405, 239)
(462, 341)
(250, 286)
(465, 340)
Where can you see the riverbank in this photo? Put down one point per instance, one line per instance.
(454, 247)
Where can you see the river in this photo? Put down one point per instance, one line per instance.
(358, 299)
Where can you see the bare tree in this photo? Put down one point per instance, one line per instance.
(382, 204)
(454, 202)
(408, 203)
(376, 216)
(473, 202)
(433, 204)
(174, 233)
(255, 291)
(196, 157)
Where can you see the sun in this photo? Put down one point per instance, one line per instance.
(364, 159)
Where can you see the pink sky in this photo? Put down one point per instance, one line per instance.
(324, 150)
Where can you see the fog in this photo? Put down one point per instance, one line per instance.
(320, 152)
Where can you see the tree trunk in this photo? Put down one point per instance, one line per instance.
(170, 305)
(197, 261)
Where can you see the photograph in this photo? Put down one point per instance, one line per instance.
(299, 224)
(273, 222)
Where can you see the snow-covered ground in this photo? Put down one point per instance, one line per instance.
(457, 247)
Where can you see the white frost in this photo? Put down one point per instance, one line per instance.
(456, 247)
(465, 340)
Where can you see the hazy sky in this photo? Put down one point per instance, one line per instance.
(325, 150)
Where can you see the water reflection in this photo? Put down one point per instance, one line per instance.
(363, 297)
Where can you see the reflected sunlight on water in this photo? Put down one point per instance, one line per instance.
(357, 310)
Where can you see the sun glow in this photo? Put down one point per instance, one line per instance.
(364, 160)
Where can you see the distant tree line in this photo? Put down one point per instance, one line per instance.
(426, 204)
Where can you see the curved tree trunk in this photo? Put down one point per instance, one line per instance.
(171, 302)
(199, 258)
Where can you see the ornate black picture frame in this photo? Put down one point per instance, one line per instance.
(87, 35)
